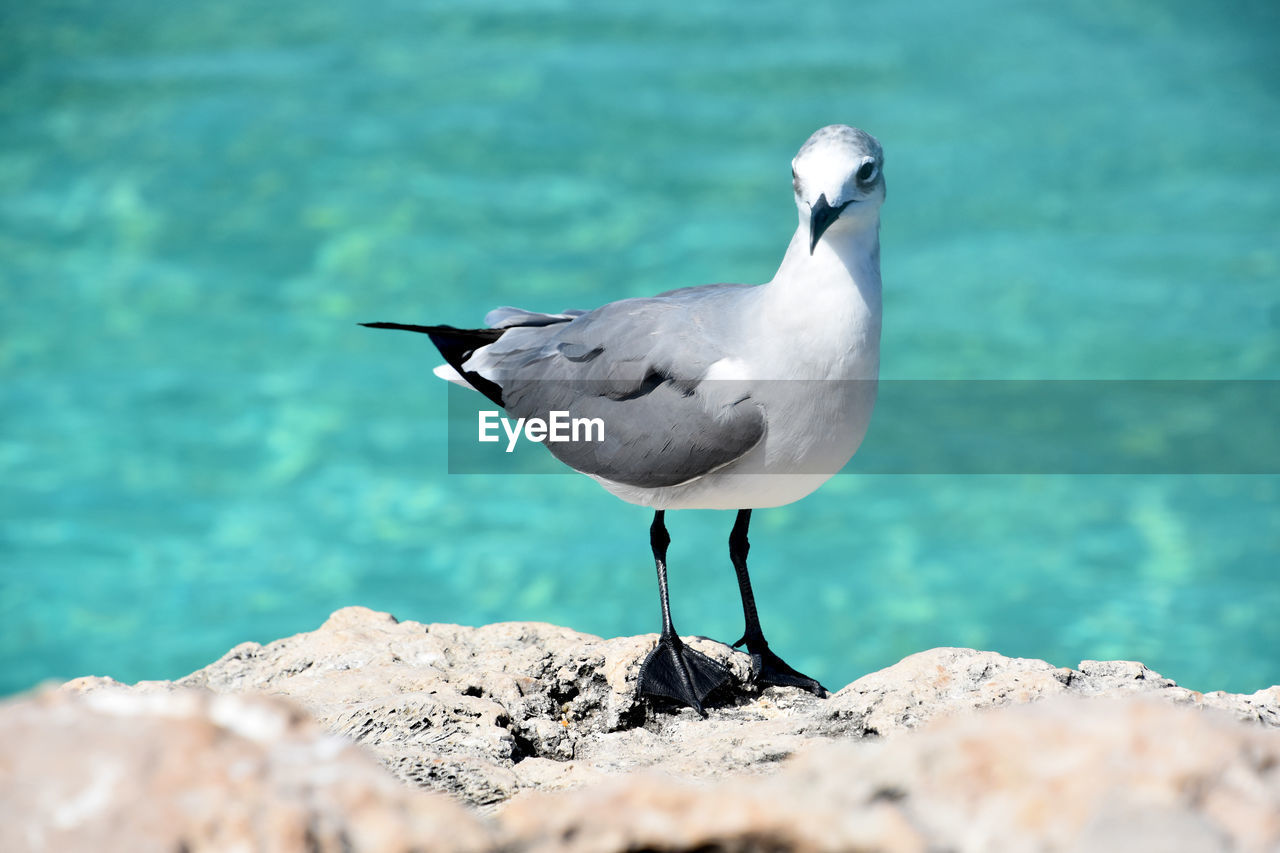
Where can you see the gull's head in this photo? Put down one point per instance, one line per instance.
(839, 181)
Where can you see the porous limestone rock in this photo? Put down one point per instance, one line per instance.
(126, 770)
(1127, 775)
(946, 681)
(540, 730)
(482, 713)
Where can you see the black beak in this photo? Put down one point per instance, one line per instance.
(821, 215)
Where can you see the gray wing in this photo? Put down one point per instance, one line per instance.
(638, 366)
(507, 317)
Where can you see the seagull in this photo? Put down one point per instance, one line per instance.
(721, 396)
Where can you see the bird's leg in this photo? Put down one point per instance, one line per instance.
(673, 669)
(767, 667)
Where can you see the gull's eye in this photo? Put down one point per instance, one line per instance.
(867, 172)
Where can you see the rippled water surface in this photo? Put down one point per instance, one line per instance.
(199, 201)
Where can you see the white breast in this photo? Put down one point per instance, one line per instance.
(809, 355)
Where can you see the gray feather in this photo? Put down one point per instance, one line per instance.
(639, 365)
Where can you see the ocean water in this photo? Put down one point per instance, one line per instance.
(198, 202)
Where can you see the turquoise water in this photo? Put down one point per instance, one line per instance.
(199, 201)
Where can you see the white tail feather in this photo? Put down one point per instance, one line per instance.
(448, 374)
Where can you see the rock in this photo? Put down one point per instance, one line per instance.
(461, 710)
(947, 681)
(540, 730)
(1068, 774)
(483, 713)
(115, 769)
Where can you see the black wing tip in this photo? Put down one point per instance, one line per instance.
(456, 346)
(409, 327)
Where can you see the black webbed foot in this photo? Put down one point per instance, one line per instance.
(766, 667)
(678, 672)
(769, 669)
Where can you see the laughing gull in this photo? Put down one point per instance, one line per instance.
(724, 396)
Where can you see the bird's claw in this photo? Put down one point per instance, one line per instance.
(770, 670)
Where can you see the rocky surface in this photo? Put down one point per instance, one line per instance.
(1066, 774)
(188, 770)
(538, 730)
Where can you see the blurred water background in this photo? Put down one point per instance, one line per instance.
(198, 202)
